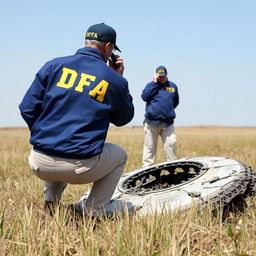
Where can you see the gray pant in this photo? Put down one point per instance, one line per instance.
(104, 170)
(151, 134)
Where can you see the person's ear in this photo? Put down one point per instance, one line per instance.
(107, 46)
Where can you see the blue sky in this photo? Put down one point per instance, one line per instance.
(208, 48)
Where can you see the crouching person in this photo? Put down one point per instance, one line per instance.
(68, 109)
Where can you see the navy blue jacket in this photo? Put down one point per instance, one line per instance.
(72, 101)
(161, 101)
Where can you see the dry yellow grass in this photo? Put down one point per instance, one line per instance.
(26, 230)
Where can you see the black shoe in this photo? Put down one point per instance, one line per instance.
(50, 207)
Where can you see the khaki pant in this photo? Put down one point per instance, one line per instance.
(104, 170)
(151, 134)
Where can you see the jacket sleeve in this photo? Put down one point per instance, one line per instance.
(124, 109)
(31, 104)
(149, 91)
(176, 98)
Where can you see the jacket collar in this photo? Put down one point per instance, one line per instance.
(90, 51)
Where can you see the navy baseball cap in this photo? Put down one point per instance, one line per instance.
(161, 71)
(102, 32)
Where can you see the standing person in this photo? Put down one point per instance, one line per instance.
(161, 97)
(68, 109)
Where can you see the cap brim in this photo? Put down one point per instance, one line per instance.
(163, 74)
(116, 47)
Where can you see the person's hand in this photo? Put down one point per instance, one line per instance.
(119, 64)
(155, 78)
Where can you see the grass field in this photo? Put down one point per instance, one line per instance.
(26, 230)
